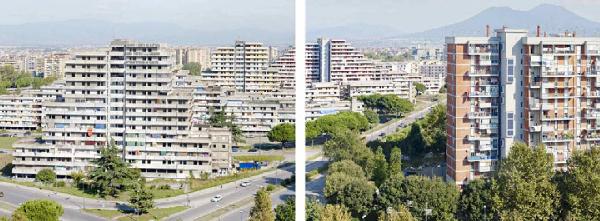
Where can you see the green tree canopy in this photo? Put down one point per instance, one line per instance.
(387, 104)
(348, 146)
(358, 196)
(41, 210)
(286, 211)
(398, 213)
(112, 174)
(194, 68)
(424, 193)
(335, 213)
(380, 171)
(283, 133)
(141, 199)
(395, 162)
(371, 116)
(420, 88)
(475, 201)
(580, 186)
(348, 167)
(262, 207)
(46, 176)
(523, 188)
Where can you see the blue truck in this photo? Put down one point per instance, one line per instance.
(249, 165)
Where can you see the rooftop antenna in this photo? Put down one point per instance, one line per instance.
(537, 32)
(487, 30)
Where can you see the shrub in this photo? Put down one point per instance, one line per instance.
(46, 176)
(270, 187)
(60, 183)
(41, 210)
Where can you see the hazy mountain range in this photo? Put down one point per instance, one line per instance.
(552, 19)
(97, 32)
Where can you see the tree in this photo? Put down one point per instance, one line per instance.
(141, 199)
(77, 177)
(348, 146)
(580, 186)
(475, 201)
(41, 210)
(194, 68)
(381, 167)
(286, 211)
(335, 213)
(390, 192)
(399, 213)
(372, 116)
(334, 185)
(358, 196)
(112, 174)
(19, 216)
(388, 104)
(283, 133)
(46, 176)
(424, 193)
(347, 167)
(262, 207)
(395, 162)
(313, 210)
(219, 119)
(523, 188)
(420, 88)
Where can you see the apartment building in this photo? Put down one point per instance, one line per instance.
(254, 113)
(20, 113)
(186, 55)
(128, 94)
(401, 87)
(433, 74)
(512, 87)
(245, 66)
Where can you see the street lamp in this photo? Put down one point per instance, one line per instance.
(484, 212)
(241, 217)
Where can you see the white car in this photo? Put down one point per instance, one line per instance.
(245, 183)
(216, 198)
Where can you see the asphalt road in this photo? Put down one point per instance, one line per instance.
(243, 213)
(391, 128)
(15, 195)
(199, 200)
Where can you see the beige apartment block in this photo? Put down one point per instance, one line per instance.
(517, 88)
(129, 94)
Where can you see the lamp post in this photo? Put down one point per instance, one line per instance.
(484, 212)
(241, 217)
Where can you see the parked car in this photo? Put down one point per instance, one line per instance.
(253, 150)
(216, 198)
(235, 149)
(245, 183)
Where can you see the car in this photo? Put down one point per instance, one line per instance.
(253, 150)
(245, 183)
(216, 198)
(235, 149)
(382, 134)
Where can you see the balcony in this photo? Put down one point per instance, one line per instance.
(480, 115)
(483, 94)
(478, 158)
(592, 137)
(473, 138)
(487, 126)
(558, 118)
(537, 128)
(562, 138)
(485, 104)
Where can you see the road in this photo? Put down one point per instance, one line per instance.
(243, 213)
(15, 195)
(391, 128)
(199, 200)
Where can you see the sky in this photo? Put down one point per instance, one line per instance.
(419, 15)
(213, 15)
(276, 16)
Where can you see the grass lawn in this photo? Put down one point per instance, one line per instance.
(153, 214)
(198, 184)
(7, 142)
(260, 158)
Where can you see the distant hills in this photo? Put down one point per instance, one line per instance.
(97, 32)
(552, 19)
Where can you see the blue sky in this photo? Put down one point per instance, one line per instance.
(275, 15)
(420, 15)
